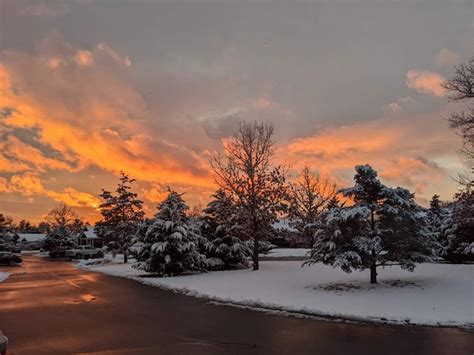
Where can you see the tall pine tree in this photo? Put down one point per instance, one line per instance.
(383, 226)
(121, 215)
(458, 228)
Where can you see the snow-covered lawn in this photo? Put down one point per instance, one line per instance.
(4, 276)
(286, 253)
(435, 294)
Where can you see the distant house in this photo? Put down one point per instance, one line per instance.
(30, 241)
(88, 237)
(29, 238)
(285, 235)
(284, 224)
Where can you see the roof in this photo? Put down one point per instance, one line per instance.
(31, 237)
(88, 233)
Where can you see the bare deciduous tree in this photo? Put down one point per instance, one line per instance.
(63, 217)
(461, 89)
(196, 210)
(309, 195)
(246, 174)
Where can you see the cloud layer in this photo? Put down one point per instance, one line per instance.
(88, 89)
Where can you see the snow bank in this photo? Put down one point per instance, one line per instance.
(108, 259)
(93, 262)
(4, 276)
(435, 294)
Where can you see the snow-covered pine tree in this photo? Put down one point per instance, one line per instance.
(121, 215)
(169, 244)
(439, 214)
(383, 226)
(458, 228)
(334, 202)
(435, 205)
(222, 229)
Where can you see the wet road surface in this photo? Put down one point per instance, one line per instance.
(50, 307)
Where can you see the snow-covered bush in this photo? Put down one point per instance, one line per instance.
(384, 225)
(168, 245)
(230, 250)
(214, 264)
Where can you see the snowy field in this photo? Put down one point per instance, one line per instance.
(435, 294)
(286, 253)
(4, 276)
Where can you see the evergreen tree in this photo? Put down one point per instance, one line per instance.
(58, 238)
(121, 215)
(223, 229)
(435, 205)
(438, 215)
(458, 228)
(168, 245)
(383, 226)
(334, 202)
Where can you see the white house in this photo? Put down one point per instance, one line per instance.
(88, 237)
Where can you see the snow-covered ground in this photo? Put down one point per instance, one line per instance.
(4, 276)
(286, 253)
(435, 294)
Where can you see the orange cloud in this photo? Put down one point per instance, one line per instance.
(84, 57)
(29, 184)
(91, 115)
(407, 152)
(425, 81)
(24, 156)
(413, 172)
(75, 198)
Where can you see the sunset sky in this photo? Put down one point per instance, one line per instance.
(89, 88)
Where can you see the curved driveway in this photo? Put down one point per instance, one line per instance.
(51, 307)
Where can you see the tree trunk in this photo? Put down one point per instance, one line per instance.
(373, 273)
(255, 253)
(125, 256)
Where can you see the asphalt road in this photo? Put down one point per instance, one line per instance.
(50, 307)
